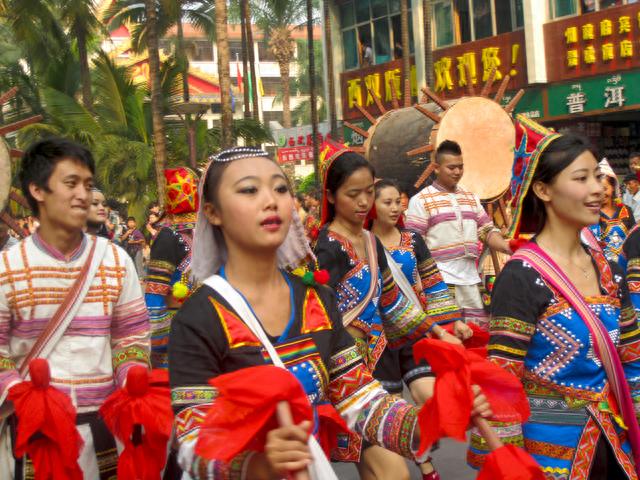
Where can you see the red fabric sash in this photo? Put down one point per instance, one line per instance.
(603, 345)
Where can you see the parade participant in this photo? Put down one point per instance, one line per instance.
(631, 262)
(248, 233)
(562, 320)
(133, 242)
(71, 298)
(616, 218)
(631, 196)
(453, 223)
(168, 283)
(312, 219)
(634, 164)
(419, 272)
(97, 215)
(374, 310)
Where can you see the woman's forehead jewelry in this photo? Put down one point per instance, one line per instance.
(237, 153)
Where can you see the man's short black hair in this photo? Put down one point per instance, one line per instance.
(447, 147)
(129, 219)
(40, 159)
(634, 155)
(630, 177)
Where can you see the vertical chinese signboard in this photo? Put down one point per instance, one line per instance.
(591, 44)
(360, 86)
(505, 52)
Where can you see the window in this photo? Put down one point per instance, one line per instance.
(264, 52)
(482, 19)
(460, 21)
(443, 19)
(371, 31)
(202, 51)
(235, 50)
(271, 86)
(563, 8)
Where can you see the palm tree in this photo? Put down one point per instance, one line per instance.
(156, 95)
(246, 15)
(428, 43)
(80, 18)
(404, 29)
(223, 73)
(277, 19)
(331, 87)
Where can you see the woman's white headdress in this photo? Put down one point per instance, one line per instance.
(209, 251)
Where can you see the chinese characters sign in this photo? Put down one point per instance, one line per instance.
(360, 86)
(296, 144)
(594, 43)
(504, 52)
(594, 95)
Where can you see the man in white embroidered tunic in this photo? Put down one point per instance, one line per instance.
(453, 223)
(109, 331)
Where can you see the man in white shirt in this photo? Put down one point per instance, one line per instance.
(631, 196)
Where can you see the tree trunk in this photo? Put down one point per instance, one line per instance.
(223, 73)
(85, 73)
(313, 98)
(245, 73)
(285, 68)
(159, 141)
(406, 53)
(428, 43)
(333, 118)
(182, 55)
(252, 59)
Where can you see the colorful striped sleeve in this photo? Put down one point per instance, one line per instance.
(130, 331)
(438, 303)
(417, 218)
(9, 375)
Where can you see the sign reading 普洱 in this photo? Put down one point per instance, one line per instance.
(360, 86)
(505, 52)
(595, 43)
(595, 95)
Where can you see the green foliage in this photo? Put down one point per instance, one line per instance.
(307, 184)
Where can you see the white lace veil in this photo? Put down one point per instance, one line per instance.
(209, 251)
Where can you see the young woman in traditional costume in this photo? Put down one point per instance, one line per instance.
(97, 216)
(247, 233)
(417, 274)
(562, 320)
(616, 219)
(374, 309)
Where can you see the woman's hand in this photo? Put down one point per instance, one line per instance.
(445, 336)
(286, 449)
(462, 330)
(481, 406)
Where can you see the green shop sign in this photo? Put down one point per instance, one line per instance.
(354, 138)
(531, 104)
(602, 93)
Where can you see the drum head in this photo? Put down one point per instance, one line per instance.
(486, 135)
(5, 174)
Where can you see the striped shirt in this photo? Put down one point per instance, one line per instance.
(452, 224)
(109, 334)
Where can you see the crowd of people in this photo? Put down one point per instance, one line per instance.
(335, 285)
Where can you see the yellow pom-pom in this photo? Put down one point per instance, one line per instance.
(180, 290)
(300, 271)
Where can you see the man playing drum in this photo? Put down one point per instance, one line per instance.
(453, 222)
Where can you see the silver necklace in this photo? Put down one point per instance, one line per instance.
(585, 271)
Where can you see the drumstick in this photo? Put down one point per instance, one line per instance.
(285, 419)
(496, 262)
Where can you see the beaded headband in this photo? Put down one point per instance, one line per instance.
(237, 153)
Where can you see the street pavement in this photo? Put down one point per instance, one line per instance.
(449, 459)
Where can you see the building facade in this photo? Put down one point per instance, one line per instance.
(577, 60)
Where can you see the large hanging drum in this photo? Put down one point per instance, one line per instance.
(393, 135)
(486, 135)
(5, 174)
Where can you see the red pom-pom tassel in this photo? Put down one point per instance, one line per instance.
(321, 277)
(516, 243)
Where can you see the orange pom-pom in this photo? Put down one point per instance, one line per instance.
(321, 277)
